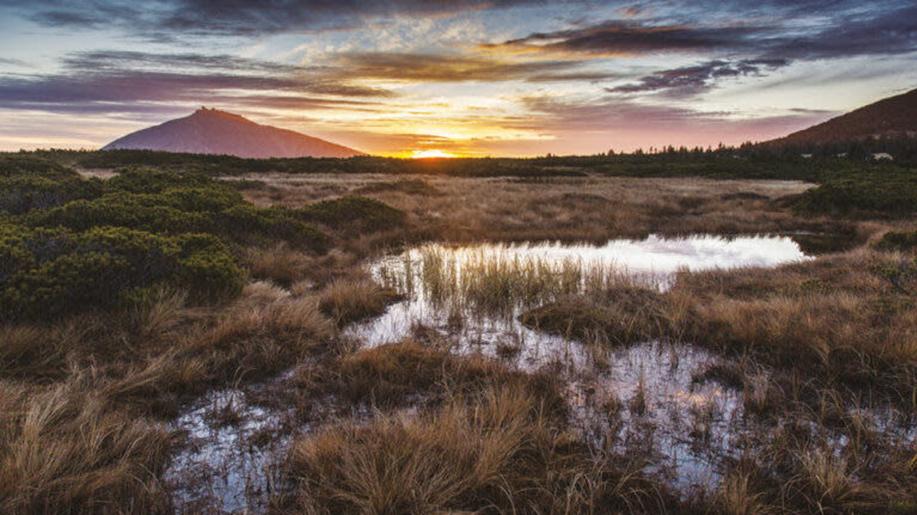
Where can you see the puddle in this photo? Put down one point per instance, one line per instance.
(641, 399)
(229, 461)
(641, 395)
(475, 293)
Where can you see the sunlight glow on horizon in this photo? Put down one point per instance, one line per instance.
(432, 153)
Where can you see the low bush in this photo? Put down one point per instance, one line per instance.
(250, 225)
(12, 165)
(50, 272)
(890, 192)
(21, 194)
(175, 203)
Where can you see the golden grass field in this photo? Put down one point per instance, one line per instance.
(811, 350)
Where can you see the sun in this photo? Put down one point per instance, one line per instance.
(425, 154)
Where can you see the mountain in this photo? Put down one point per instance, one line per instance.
(211, 131)
(893, 117)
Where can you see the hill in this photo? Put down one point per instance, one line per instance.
(211, 131)
(890, 118)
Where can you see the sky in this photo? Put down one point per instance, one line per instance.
(464, 77)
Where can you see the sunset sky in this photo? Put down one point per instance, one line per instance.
(473, 78)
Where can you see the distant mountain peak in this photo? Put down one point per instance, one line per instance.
(212, 131)
(210, 112)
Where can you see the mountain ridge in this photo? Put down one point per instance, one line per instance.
(212, 131)
(891, 117)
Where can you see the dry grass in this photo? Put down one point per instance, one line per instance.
(74, 398)
(63, 451)
(508, 209)
(279, 264)
(621, 315)
(408, 371)
(737, 497)
(356, 298)
(500, 452)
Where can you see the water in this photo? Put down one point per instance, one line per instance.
(646, 398)
(690, 425)
(450, 288)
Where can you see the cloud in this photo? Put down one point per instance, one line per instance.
(130, 82)
(442, 67)
(625, 37)
(807, 30)
(12, 62)
(880, 31)
(164, 19)
(692, 80)
(626, 124)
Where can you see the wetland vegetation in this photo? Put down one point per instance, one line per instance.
(682, 334)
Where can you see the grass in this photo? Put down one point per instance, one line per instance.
(63, 450)
(412, 427)
(351, 299)
(393, 374)
(499, 452)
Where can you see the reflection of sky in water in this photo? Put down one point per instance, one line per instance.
(689, 427)
(654, 260)
(673, 399)
(663, 255)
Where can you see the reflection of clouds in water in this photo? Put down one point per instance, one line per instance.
(665, 370)
(653, 261)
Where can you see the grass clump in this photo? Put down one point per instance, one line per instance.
(392, 374)
(622, 315)
(63, 451)
(352, 299)
(499, 451)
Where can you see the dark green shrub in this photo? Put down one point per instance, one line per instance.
(133, 211)
(13, 165)
(354, 214)
(45, 273)
(20, 194)
(252, 225)
(155, 181)
(890, 192)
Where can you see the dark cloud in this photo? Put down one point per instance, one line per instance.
(880, 31)
(163, 19)
(692, 80)
(119, 81)
(441, 68)
(617, 37)
(835, 29)
(121, 59)
(584, 76)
